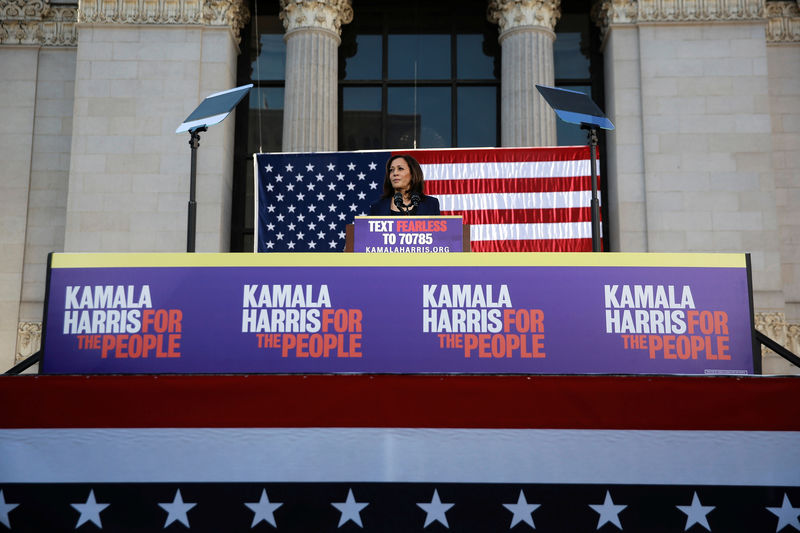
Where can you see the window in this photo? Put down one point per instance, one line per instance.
(259, 123)
(572, 58)
(419, 74)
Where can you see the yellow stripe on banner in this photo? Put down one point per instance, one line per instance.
(122, 260)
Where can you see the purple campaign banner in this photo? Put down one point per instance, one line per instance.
(395, 234)
(488, 313)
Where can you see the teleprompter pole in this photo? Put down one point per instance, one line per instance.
(595, 205)
(194, 143)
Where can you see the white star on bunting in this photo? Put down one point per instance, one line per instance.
(177, 509)
(609, 512)
(90, 511)
(435, 510)
(523, 511)
(264, 510)
(787, 515)
(6, 508)
(350, 509)
(696, 513)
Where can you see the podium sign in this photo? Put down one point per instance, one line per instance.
(408, 235)
(491, 313)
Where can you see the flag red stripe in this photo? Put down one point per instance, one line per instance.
(541, 245)
(560, 153)
(547, 402)
(509, 185)
(525, 216)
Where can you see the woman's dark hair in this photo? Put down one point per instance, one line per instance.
(417, 184)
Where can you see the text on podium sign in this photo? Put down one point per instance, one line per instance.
(409, 235)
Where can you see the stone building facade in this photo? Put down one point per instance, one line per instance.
(705, 95)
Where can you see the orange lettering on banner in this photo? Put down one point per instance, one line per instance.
(707, 322)
(685, 347)
(498, 346)
(451, 340)
(138, 345)
(316, 345)
(162, 320)
(89, 342)
(523, 320)
(405, 225)
(269, 340)
(341, 320)
(634, 342)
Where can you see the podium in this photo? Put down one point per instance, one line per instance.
(430, 227)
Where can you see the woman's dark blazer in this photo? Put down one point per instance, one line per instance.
(428, 206)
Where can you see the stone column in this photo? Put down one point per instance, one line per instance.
(526, 37)
(310, 112)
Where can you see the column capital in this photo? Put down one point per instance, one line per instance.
(783, 22)
(510, 15)
(36, 22)
(316, 14)
(606, 13)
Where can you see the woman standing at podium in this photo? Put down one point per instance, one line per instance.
(404, 190)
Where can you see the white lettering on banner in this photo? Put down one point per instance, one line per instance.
(647, 309)
(99, 321)
(465, 296)
(461, 321)
(107, 296)
(280, 320)
(648, 296)
(645, 321)
(285, 296)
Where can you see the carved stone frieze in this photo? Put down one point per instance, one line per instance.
(607, 13)
(230, 13)
(37, 22)
(316, 14)
(29, 340)
(700, 10)
(783, 22)
(774, 326)
(512, 14)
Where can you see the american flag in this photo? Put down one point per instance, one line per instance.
(514, 199)
(399, 453)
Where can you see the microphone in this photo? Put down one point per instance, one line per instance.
(398, 200)
(415, 199)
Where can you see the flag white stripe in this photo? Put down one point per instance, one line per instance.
(526, 200)
(557, 230)
(514, 169)
(399, 455)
